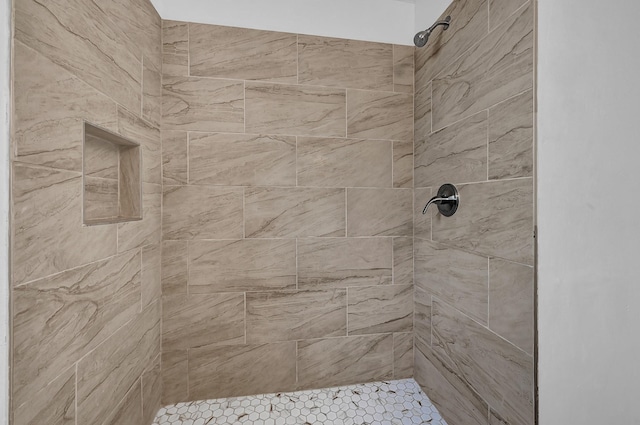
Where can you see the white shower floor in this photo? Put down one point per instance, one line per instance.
(379, 403)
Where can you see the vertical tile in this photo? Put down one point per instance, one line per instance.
(500, 10)
(175, 267)
(456, 277)
(511, 138)
(422, 117)
(129, 410)
(402, 356)
(242, 265)
(403, 69)
(422, 315)
(148, 136)
(283, 213)
(190, 321)
(242, 159)
(380, 309)
(403, 261)
(151, 391)
(202, 212)
(511, 302)
(295, 110)
(324, 162)
(151, 93)
(295, 315)
(216, 372)
(100, 199)
(403, 164)
(151, 281)
(379, 212)
(174, 157)
(175, 48)
(344, 262)
(330, 362)
(130, 176)
(175, 372)
(136, 234)
(345, 63)
(54, 404)
(242, 53)
(379, 115)
(202, 104)
(422, 222)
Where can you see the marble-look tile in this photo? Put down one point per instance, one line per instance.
(511, 302)
(129, 410)
(100, 158)
(151, 93)
(325, 162)
(455, 154)
(136, 234)
(295, 110)
(151, 282)
(151, 391)
(242, 265)
(380, 309)
(453, 397)
(54, 403)
(175, 372)
(459, 278)
(324, 363)
(98, 298)
(175, 48)
(494, 219)
(50, 109)
(403, 164)
(422, 222)
(422, 115)
(422, 315)
(339, 62)
(498, 371)
(131, 188)
(242, 159)
(500, 10)
(147, 135)
(175, 157)
(48, 235)
(343, 262)
(403, 69)
(202, 104)
(106, 373)
(84, 40)
(295, 315)
(511, 138)
(243, 369)
(100, 199)
(402, 355)
(495, 418)
(272, 212)
(202, 212)
(496, 69)
(379, 212)
(379, 115)
(175, 267)
(191, 321)
(403, 261)
(242, 53)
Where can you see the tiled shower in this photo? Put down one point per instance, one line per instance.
(281, 245)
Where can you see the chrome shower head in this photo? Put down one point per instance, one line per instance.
(422, 37)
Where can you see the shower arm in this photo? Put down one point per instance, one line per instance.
(446, 22)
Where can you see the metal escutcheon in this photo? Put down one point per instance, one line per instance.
(447, 200)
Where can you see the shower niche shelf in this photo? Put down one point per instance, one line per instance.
(112, 186)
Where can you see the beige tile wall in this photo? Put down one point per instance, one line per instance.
(287, 256)
(86, 299)
(474, 294)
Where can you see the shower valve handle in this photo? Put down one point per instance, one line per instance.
(447, 200)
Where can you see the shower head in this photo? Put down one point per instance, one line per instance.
(422, 37)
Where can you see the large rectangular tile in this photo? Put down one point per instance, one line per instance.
(295, 212)
(151, 281)
(152, 391)
(379, 115)
(191, 321)
(295, 110)
(403, 164)
(129, 410)
(84, 40)
(497, 68)
(105, 375)
(295, 315)
(242, 53)
(49, 236)
(511, 302)
(242, 159)
(422, 315)
(456, 277)
(379, 212)
(344, 262)
(175, 376)
(54, 403)
(100, 199)
(242, 265)
(402, 355)
(345, 63)
(498, 371)
(151, 93)
(421, 115)
(136, 234)
(331, 362)
(175, 48)
(241, 370)
(202, 104)
(494, 219)
(455, 154)
(511, 138)
(422, 222)
(175, 157)
(403, 69)
(403, 261)
(175, 267)
(500, 10)
(202, 212)
(380, 309)
(325, 162)
(147, 135)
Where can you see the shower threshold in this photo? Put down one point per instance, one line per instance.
(400, 402)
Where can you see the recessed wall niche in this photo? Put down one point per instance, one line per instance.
(112, 179)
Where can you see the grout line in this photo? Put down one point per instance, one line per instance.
(488, 291)
(244, 216)
(76, 394)
(245, 317)
(244, 106)
(488, 125)
(297, 273)
(297, 58)
(188, 264)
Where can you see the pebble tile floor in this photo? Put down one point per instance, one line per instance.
(379, 403)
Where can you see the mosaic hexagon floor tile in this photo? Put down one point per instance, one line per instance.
(380, 403)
